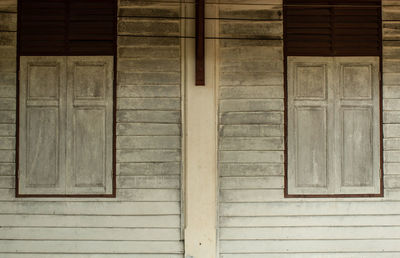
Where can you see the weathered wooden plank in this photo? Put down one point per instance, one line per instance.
(391, 104)
(8, 64)
(392, 181)
(250, 78)
(391, 117)
(8, 91)
(392, 156)
(251, 29)
(237, 118)
(23, 246)
(149, 65)
(390, 13)
(7, 79)
(147, 41)
(149, 103)
(391, 79)
(8, 21)
(392, 168)
(252, 54)
(148, 155)
(82, 234)
(148, 142)
(258, 92)
(8, 39)
(74, 255)
(391, 92)
(8, 6)
(307, 233)
(150, 78)
(287, 246)
(251, 105)
(153, 52)
(153, 168)
(251, 143)
(251, 130)
(7, 117)
(7, 182)
(7, 156)
(391, 130)
(249, 12)
(250, 169)
(148, 91)
(309, 208)
(148, 27)
(7, 143)
(91, 208)
(271, 182)
(140, 129)
(311, 221)
(251, 195)
(165, 10)
(391, 30)
(71, 221)
(144, 116)
(148, 182)
(314, 255)
(7, 169)
(237, 65)
(250, 156)
(7, 130)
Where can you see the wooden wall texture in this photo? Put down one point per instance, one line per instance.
(145, 218)
(255, 220)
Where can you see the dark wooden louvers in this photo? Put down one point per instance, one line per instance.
(332, 28)
(67, 27)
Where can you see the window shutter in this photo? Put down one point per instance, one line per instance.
(42, 131)
(357, 113)
(332, 27)
(90, 125)
(309, 90)
(67, 27)
(333, 125)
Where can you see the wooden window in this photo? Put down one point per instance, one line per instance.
(65, 125)
(333, 125)
(66, 100)
(333, 51)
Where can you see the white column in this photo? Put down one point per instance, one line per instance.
(201, 146)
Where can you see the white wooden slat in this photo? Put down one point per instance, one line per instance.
(251, 182)
(111, 247)
(317, 255)
(324, 220)
(91, 208)
(310, 233)
(75, 255)
(156, 182)
(327, 246)
(82, 234)
(309, 208)
(94, 221)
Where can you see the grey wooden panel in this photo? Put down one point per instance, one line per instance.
(89, 123)
(42, 131)
(309, 104)
(358, 116)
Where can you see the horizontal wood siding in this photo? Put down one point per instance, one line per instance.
(255, 220)
(145, 219)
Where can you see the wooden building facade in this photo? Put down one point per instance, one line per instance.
(202, 171)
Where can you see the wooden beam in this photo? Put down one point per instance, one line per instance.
(200, 61)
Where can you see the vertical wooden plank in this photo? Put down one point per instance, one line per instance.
(200, 47)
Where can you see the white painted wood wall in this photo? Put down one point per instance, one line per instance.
(255, 220)
(145, 218)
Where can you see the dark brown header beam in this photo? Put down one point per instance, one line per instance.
(200, 49)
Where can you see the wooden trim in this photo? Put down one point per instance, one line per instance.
(200, 43)
(381, 151)
(114, 145)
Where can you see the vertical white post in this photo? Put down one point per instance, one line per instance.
(201, 142)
